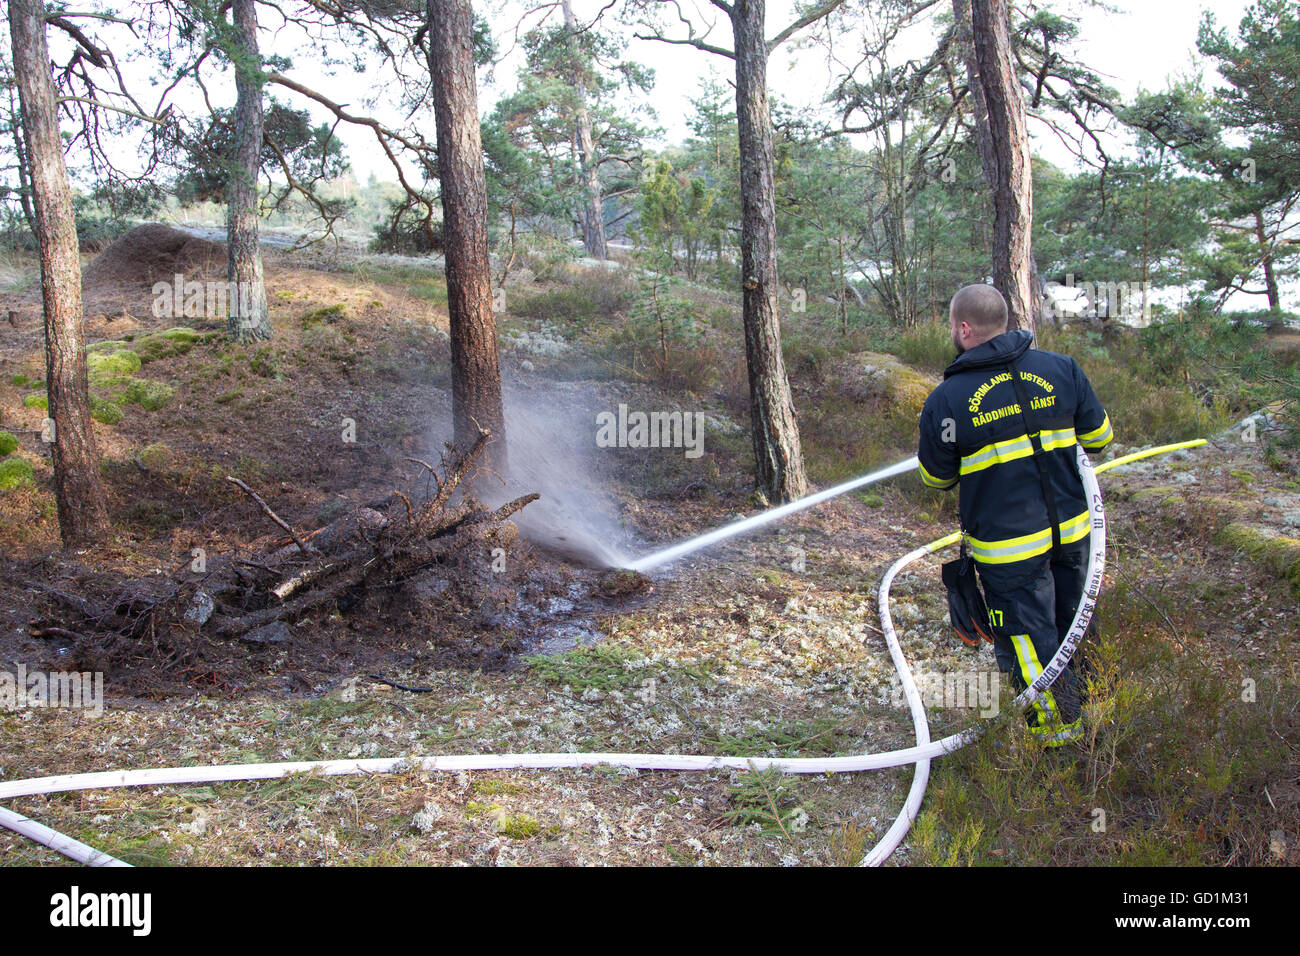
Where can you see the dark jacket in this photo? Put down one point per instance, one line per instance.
(972, 432)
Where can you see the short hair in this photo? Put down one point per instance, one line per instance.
(982, 307)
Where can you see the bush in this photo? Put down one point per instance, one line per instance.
(8, 443)
(927, 346)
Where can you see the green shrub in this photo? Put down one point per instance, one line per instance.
(927, 346)
(37, 401)
(8, 443)
(16, 473)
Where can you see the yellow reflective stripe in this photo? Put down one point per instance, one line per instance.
(1060, 734)
(1030, 669)
(1098, 436)
(997, 453)
(1029, 545)
(1061, 438)
(1013, 448)
(934, 482)
(1076, 529)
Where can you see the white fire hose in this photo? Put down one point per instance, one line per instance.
(920, 754)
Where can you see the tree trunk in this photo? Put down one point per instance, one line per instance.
(593, 214)
(248, 319)
(1270, 277)
(1007, 160)
(83, 514)
(475, 365)
(775, 431)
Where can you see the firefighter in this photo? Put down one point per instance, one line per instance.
(1024, 518)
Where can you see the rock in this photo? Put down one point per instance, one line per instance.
(277, 632)
(200, 609)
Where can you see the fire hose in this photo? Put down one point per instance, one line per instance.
(921, 754)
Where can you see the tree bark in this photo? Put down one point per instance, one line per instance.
(777, 451)
(593, 213)
(248, 319)
(475, 364)
(83, 513)
(1266, 257)
(1006, 158)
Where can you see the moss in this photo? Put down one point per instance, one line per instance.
(36, 401)
(518, 826)
(262, 363)
(148, 394)
(324, 315)
(494, 787)
(1277, 553)
(105, 412)
(872, 500)
(112, 345)
(104, 365)
(8, 443)
(227, 397)
(16, 473)
(156, 457)
(19, 380)
(167, 343)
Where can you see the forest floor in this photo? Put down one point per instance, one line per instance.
(765, 645)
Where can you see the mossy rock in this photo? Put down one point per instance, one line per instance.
(108, 364)
(16, 473)
(111, 345)
(8, 443)
(105, 412)
(167, 343)
(37, 401)
(148, 394)
(156, 457)
(324, 315)
(1278, 553)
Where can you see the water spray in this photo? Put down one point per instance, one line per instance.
(920, 754)
(745, 525)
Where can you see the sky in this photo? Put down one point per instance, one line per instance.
(1142, 45)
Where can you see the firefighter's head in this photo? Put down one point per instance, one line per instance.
(977, 314)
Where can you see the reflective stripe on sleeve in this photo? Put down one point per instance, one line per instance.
(1098, 436)
(934, 482)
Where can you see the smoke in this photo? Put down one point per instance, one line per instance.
(550, 431)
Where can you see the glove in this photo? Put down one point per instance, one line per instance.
(966, 607)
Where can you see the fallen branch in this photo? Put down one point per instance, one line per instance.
(270, 514)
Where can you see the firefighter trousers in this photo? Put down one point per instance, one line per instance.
(1031, 606)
